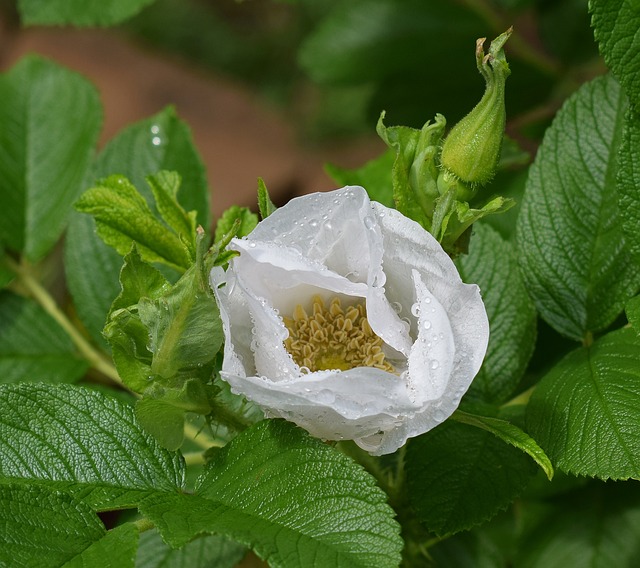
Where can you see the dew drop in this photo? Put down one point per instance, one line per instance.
(415, 309)
(155, 129)
(427, 300)
(156, 140)
(369, 222)
(313, 223)
(397, 307)
(252, 245)
(325, 396)
(426, 324)
(438, 416)
(327, 225)
(434, 364)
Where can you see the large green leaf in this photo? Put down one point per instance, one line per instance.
(82, 442)
(598, 526)
(296, 501)
(584, 412)
(633, 313)
(460, 476)
(43, 528)
(492, 264)
(161, 142)
(116, 549)
(616, 24)
(33, 347)
(208, 551)
(50, 119)
(629, 181)
(79, 12)
(575, 261)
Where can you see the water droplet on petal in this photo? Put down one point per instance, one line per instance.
(415, 309)
(313, 223)
(252, 245)
(434, 364)
(397, 307)
(369, 222)
(438, 416)
(426, 324)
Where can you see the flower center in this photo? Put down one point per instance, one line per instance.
(334, 338)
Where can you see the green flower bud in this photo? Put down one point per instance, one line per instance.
(472, 149)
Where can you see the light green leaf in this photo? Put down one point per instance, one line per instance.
(161, 142)
(82, 442)
(628, 181)
(633, 313)
(43, 528)
(79, 12)
(123, 217)
(575, 262)
(374, 176)
(116, 549)
(459, 476)
(248, 222)
(207, 551)
(598, 526)
(33, 347)
(265, 204)
(510, 434)
(616, 24)
(492, 264)
(50, 119)
(296, 501)
(584, 412)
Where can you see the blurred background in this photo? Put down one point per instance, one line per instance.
(278, 88)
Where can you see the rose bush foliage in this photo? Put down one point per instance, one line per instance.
(411, 335)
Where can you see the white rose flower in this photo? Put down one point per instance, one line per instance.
(349, 319)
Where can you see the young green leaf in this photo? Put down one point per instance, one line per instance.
(296, 501)
(213, 551)
(33, 347)
(123, 216)
(374, 176)
(628, 182)
(584, 412)
(84, 443)
(248, 222)
(575, 262)
(44, 153)
(616, 24)
(79, 12)
(459, 476)
(43, 528)
(116, 549)
(492, 264)
(161, 142)
(265, 204)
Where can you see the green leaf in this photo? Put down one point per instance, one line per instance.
(573, 254)
(459, 476)
(43, 528)
(265, 204)
(584, 412)
(50, 119)
(374, 176)
(628, 182)
(82, 442)
(79, 12)
(161, 142)
(616, 24)
(598, 526)
(123, 216)
(633, 313)
(213, 551)
(493, 265)
(33, 347)
(248, 222)
(510, 434)
(116, 549)
(296, 501)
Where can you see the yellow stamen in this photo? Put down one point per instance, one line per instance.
(334, 338)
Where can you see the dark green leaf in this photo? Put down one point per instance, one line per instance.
(265, 204)
(575, 261)
(82, 442)
(207, 551)
(459, 476)
(629, 181)
(50, 119)
(296, 501)
(598, 526)
(248, 222)
(633, 313)
(116, 549)
(123, 217)
(33, 347)
(43, 528)
(584, 412)
(162, 142)
(79, 12)
(374, 176)
(492, 264)
(616, 24)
